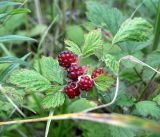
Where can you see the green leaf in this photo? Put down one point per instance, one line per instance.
(10, 27)
(4, 4)
(10, 69)
(103, 82)
(103, 16)
(13, 60)
(136, 29)
(75, 33)
(3, 15)
(30, 80)
(19, 11)
(73, 47)
(38, 29)
(89, 71)
(7, 106)
(152, 60)
(94, 129)
(111, 62)
(13, 12)
(132, 46)
(147, 108)
(157, 99)
(15, 94)
(121, 132)
(122, 98)
(52, 101)
(80, 105)
(92, 42)
(152, 6)
(10, 38)
(51, 70)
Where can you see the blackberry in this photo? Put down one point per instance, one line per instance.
(97, 72)
(72, 90)
(66, 58)
(85, 83)
(74, 71)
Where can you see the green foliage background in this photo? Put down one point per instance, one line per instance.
(100, 33)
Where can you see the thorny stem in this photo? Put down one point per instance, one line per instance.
(149, 83)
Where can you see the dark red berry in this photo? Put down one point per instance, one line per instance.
(97, 72)
(72, 90)
(74, 71)
(66, 58)
(85, 83)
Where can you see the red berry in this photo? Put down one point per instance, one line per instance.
(97, 72)
(85, 83)
(74, 71)
(66, 58)
(72, 90)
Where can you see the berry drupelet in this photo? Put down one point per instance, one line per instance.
(74, 71)
(85, 83)
(71, 90)
(97, 72)
(66, 58)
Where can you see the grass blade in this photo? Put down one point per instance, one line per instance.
(48, 123)
(125, 121)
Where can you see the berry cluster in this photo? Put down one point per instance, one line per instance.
(78, 80)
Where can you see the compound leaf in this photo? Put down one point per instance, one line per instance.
(92, 42)
(136, 29)
(103, 16)
(30, 80)
(111, 62)
(103, 82)
(51, 70)
(157, 99)
(52, 101)
(147, 108)
(73, 47)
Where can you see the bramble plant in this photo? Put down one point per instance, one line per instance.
(101, 75)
